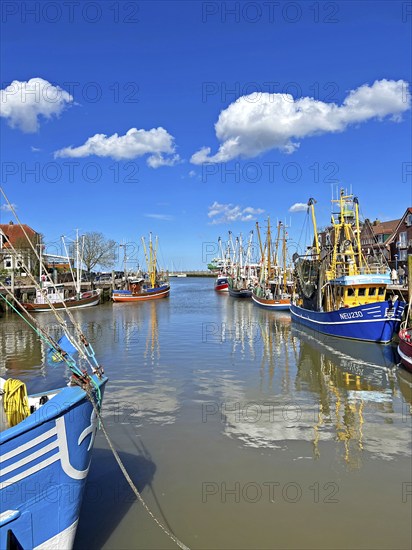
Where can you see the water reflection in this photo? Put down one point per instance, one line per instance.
(309, 388)
(152, 350)
(143, 389)
(20, 349)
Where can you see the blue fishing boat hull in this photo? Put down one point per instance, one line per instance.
(376, 322)
(45, 460)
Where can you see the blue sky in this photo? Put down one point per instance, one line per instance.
(306, 96)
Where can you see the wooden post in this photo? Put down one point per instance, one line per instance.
(409, 272)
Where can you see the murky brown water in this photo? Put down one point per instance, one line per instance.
(241, 429)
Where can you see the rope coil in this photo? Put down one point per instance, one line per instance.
(15, 401)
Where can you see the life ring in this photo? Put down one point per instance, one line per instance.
(134, 287)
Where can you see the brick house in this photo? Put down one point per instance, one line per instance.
(399, 243)
(12, 235)
(374, 237)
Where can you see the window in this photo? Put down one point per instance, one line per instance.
(381, 291)
(351, 292)
(380, 238)
(371, 291)
(361, 291)
(403, 254)
(402, 239)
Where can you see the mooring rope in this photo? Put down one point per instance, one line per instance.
(129, 480)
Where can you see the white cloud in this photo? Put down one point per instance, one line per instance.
(135, 143)
(260, 122)
(8, 207)
(23, 103)
(192, 174)
(227, 213)
(35, 149)
(162, 217)
(298, 207)
(154, 161)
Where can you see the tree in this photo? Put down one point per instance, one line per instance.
(97, 250)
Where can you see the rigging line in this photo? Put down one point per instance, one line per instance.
(84, 353)
(53, 309)
(43, 335)
(375, 238)
(129, 480)
(75, 323)
(69, 314)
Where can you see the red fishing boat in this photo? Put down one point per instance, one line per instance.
(153, 286)
(140, 290)
(222, 284)
(405, 347)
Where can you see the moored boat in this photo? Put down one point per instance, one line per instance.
(50, 295)
(272, 290)
(238, 292)
(45, 459)
(153, 286)
(405, 347)
(46, 439)
(243, 272)
(222, 284)
(140, 290)
(338, 292)
(54, 294)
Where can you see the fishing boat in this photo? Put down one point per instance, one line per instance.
(53, 294)
(222, 281)
(338, 293)
(243, 274)
(405, 341)
(46, 441)
(272, 290)
(153, 286)
(45, 459)
(49, 294)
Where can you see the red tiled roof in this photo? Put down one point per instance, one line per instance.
(385, 228)
(14, 233)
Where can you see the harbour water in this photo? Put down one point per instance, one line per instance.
(241, 429)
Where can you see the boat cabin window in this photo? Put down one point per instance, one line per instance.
(372, 291)
(361, 291)
(381, 291)
(351, 292)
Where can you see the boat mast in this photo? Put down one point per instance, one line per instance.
(152, 260)
(222, 255)
(275, 256)
(145, 254)
(358, 243)
(262, 253)
(311, 204)
(78, 269)
(248, 254)
(240, 256)
(268, 241)
(284, 260)
(40, 265)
